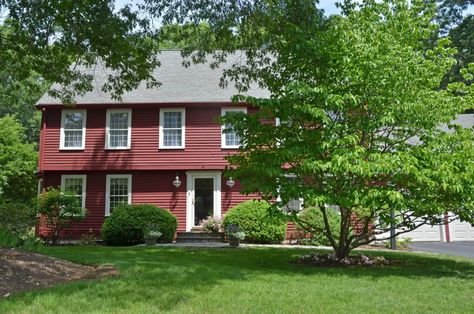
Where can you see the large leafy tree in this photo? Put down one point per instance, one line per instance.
(360, 111)
(56, 39)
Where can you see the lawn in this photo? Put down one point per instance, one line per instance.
(254, 280)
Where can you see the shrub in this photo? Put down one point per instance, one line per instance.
(255, 220)
(59, 209)
(310, 221)
(212, 224)
(16, 217)
(127, 223)
(26, 242)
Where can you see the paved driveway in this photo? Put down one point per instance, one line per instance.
(465, 249)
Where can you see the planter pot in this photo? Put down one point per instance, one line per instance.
(150, 241)
(234, 242)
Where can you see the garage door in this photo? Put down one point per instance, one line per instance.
(461, 231)
(424, 233)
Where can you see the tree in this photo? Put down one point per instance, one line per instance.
(47, 37)
(17, 163)
(58, 209)
(360, 111)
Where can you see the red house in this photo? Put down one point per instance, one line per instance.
(139, 149)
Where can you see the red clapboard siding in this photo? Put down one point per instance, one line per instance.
(148, 187)
(202, 140)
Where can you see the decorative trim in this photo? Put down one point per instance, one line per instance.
(84, 185)
(190, 176)
(107, 128)
(107, 190)
(63, 121)
(183, 128)
(224, 110)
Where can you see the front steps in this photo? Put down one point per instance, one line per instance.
(199, 235)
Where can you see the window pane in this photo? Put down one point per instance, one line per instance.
(118, 192)
(293, 205)
(72, 138)
(117, 200)
(172, 137)
(231, 138)
(73, 185)
(73, 120)
(119, 120)
(172, 120)
(118, 138)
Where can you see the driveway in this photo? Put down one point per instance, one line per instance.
(465, 249)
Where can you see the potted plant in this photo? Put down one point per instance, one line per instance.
(151, 234)
(212, 224)
(234, 235)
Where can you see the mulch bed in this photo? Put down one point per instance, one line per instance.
(330, 260)
(25, 271)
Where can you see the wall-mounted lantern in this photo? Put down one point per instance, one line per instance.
(177, 182)
(230, 183)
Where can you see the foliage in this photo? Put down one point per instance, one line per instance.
(401, 243)
(360, 107)
(127, 223)
(26, 242)
(310, 221)
(233, 232)
(57, 210)
(256, 221)
(151, 232)
(17, 217)
(45, 37)
(212, 224)
(17, 163)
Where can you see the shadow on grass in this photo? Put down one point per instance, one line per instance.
(165, 277)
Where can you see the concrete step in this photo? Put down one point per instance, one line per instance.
(199, 237)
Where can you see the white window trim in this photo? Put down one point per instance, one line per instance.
(224, 110)
(63, 121)
(107, 190)
(183, 127)
(107, 128)
(84, 185)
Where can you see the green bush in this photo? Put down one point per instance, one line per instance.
(18, 218)
(254, 219)
(310, 222)
(127, 223)
(26, 242)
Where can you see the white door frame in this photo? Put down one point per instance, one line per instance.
(190, 176)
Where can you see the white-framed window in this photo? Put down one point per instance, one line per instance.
(172, 128)
(118, 191)
(230, 139)
(75, 184)
(118, 129)
(73, 129)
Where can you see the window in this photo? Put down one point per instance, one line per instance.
(118, 191)
(294, 205)
(118, 129)
(73, 129)
(75, 185)
(172, 128)
(230, 139)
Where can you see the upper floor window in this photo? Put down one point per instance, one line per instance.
(118, 129)
(118, 191)
(230, 139)
(73, 129)
(76, 186)
(172, 128)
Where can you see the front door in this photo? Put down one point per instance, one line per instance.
(203, 197)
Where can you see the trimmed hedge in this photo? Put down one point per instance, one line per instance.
(254, 219)
(314, 217)
(126, 224)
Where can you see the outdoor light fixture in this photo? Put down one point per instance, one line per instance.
(177, 182)
(230, 183)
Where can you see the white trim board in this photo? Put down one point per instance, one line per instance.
(190, 176)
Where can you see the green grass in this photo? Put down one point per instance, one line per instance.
(179, 280)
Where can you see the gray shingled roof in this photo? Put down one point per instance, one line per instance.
(197, 83)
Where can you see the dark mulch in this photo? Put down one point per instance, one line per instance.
(24, 271)
(330, 260)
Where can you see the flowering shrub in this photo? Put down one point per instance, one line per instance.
(213, 224)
